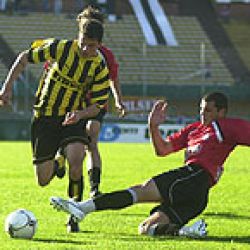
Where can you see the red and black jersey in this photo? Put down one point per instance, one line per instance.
(112, 65)
(111, 62)
(209, 145)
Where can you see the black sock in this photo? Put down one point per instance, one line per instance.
(75, 189)
(165, 229)
(114, 200)
(94, 178)
(59, 160)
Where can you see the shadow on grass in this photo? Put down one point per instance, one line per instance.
(227, 215)
(138, 238)
(66, 241)
(229, 239)
(133, 215)
(224, 239)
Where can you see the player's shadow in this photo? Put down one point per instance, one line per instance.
(133, 215)
(227, 215)
(226, 239)
(137, 238)
(66, 241)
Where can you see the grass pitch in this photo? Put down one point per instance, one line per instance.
(227, 214)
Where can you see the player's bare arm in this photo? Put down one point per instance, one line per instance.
(16, 69)
(156, 117)
(74, 116)
(115, 88)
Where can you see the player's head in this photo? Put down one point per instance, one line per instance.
(90, 12)
(213, 106)
(90, 37)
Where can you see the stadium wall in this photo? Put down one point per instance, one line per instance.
(183, 101)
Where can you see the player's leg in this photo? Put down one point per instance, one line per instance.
(74, 140)
(44, 172)
(94, 162)
(45, 140)
(158, 223)
(185, 192)
(75, 155)
(146, 192)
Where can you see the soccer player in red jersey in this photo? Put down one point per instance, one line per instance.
(182, 192)
(94, 124)
(93, 127)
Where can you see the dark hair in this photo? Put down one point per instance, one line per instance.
(220, 100)
(92, 28)
(90, 12)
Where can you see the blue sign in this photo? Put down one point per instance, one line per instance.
(109, 132)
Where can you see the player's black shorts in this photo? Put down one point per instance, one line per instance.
(48, 134)
(100, 116)
(185, 193)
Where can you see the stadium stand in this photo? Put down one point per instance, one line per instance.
(238, 30)
(163, 64)
(139, 63)
(3, 71)
(205, 11)
(19, 31)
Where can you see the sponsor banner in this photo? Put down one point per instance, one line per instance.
(139, 105)
(135, 104)
(122, 132)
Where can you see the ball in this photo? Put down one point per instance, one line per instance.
(21, 224)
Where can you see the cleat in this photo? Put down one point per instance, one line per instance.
(197, 230)
(72, 225)
(59, 166)
(68, 206)
(95, 193)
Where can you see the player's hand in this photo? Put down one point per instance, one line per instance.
(5, 97)
(71, 118)
(158, 113)
(121, 110)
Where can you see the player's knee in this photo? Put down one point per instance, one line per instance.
(42, 181)
(44, 174)
(76, 160)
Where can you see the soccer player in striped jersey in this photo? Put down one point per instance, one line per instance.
(182, 193)
(77, 67)
(93, 126)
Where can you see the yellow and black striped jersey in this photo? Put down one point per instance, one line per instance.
(70, 76)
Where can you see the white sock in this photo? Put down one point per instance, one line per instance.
(134, 195)
(183, 231)
(87, 206)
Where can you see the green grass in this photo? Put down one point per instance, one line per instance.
(228, 212)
